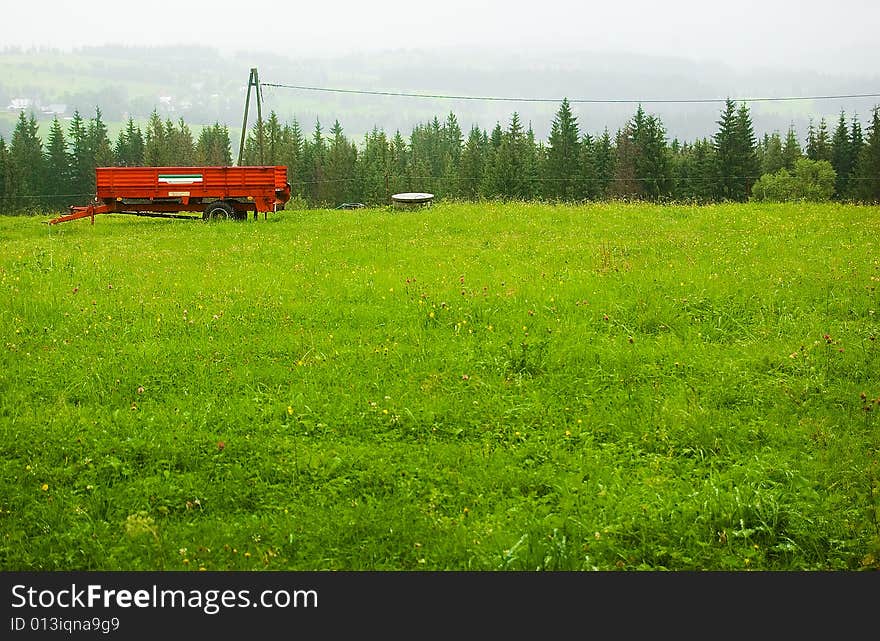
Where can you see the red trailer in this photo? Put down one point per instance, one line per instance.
(165, 192)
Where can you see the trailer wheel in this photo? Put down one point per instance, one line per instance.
(219, 210)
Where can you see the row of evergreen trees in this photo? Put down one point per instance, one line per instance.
(326, 169)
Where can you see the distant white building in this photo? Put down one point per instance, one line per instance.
(17, 104)
(55, 109)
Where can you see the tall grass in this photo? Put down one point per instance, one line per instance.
(464, 387)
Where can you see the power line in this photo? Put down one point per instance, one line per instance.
(575, 101)
(539, 179)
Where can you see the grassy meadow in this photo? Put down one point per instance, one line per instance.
(463, 387)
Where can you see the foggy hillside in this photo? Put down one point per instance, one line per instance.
(202, 85)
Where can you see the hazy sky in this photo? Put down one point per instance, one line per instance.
(803, 34)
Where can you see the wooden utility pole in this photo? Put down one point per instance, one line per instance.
(253, 81)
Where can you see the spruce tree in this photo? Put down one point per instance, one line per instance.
(587, 161)
(736, 160)
(129, 149)
(425, 167)
(6, 191)
(695, 172)
(652, 161)
(563, 155)
(291, 155)
(373, 168)
(100, 151)
(604, 160)
(867, 173)
(704, 165)
(156, 143)
(508, 177)
(823, 142)
(856, 139)
(316, 177)
(841, 157)
(726, 154)
(340, 172)
(772, 159)
(80, 164)
(181, 148)
(26, 161)
(810, 145)
(5, 194)
(625, 184)
(748, 159)
(791, 150)
(533, 165)
(488, 185)
(58, 178)
(273, 139)
(856, 143)
(398, 162)
(214, 147)
(471, 165)
(452, 138)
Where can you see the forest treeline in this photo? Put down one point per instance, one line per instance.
(326, 168)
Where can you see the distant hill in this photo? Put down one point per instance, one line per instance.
(203, 85)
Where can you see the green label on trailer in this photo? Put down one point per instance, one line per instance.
(180, 179)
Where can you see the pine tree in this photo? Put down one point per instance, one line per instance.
(129, 149)
(471, 165)
(156, 143)
(867, 172)
(58, 178)
(487, 187)
(749, 169)
(452, 138)
(587, 160)
(533, 165)
(214, 147)
(772, 159)
(373, 170)
(316, 152)
(856, 144)
(341, 161)
(726, 154)
(563, 155)
(695, 172)
(625, 183)
(424, 143)
(652, 163)
(181, 148)
(291, 155)
(80, 163)
(736, 160)
(507, 173)
(823, 143)
(810, 145)
(100, 152)
(5, 193)
(26, 161)
(451, 148)
(791, 150)
(604, 159)
(273, 139)
(398, 162)
(841, 156)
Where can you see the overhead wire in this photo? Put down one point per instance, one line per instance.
(570, 100)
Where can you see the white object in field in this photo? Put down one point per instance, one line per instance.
(412, 198)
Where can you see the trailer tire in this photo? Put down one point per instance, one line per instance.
(219, 210)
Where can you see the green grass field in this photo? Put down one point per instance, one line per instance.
(465, 387)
